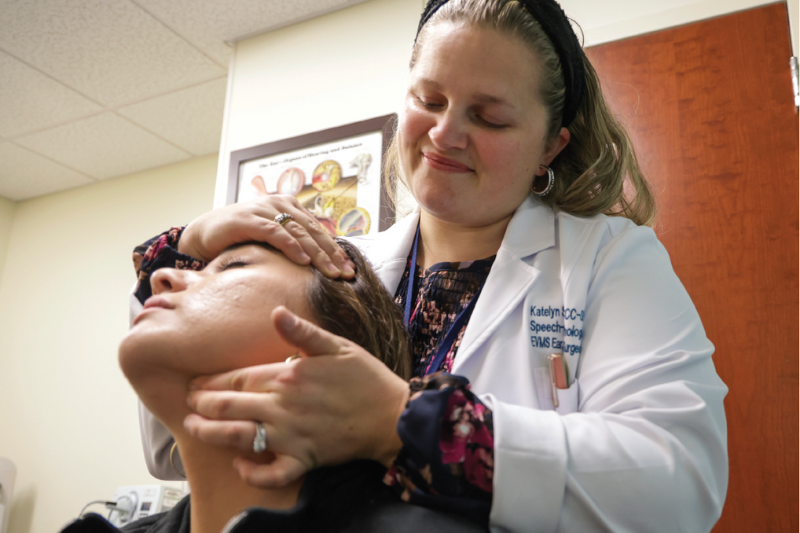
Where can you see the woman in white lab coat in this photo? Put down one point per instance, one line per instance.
(524, 245)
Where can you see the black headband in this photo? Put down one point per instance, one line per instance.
(555, 24)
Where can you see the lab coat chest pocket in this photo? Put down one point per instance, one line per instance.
(544, 315)
(567, 398)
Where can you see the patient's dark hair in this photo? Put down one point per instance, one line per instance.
(362, 311)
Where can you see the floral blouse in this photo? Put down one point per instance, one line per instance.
(447, 459)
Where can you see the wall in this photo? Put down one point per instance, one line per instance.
(6, 221)
(794, 12)
(68, 418)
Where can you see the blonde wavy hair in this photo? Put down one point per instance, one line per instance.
(598, 171)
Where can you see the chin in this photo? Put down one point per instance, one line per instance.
(437, 199)
(138, 357)
(444, 208)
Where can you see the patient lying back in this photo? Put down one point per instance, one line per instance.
(221, 319)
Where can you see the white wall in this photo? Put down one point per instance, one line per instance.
(6, 221)
(794, 12)
(68, 418)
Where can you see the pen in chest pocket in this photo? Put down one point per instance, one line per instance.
(558, 375)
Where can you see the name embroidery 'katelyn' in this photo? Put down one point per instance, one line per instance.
(556, 328)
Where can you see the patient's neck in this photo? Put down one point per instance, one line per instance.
(217, 492)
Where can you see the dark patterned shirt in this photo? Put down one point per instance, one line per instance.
(442, 292)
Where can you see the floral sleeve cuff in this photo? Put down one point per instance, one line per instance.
(160, 252)
(447, 459)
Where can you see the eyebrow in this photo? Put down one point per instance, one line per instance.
(481, 98)
(236, 246)
(232, 248)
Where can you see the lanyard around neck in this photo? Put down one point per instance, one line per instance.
(455, 328)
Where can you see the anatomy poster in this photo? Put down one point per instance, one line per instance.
(339, 181)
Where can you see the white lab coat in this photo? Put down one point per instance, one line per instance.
(638, 442)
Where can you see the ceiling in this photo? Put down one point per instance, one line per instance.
(94, 89)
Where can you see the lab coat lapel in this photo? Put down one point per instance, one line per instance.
(531, 230)
(388, 253)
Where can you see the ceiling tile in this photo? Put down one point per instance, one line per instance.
(24, 174)
(190, 118)
(103, 146)
(30, 101)
(209, 23)
(108, 50)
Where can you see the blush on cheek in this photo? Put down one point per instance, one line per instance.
(413, 125)
(411, 136)
(503, 156)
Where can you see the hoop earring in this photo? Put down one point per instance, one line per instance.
(551, 179)
(172, 460)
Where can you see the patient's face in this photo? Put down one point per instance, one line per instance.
(218, 319)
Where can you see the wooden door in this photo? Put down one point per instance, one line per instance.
(711, 111)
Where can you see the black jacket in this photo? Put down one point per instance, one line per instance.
(349, 498)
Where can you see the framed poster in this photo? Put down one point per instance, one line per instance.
(337, 174)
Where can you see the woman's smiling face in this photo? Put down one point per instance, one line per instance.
(217, 319)
(472, 132)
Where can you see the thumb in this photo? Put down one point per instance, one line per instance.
(284, 470)
(310, 338)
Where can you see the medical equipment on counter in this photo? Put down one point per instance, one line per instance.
(133, 502)
(142, 501)
(8, 473)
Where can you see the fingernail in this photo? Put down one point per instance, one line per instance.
(348, 270)
(333, 268)
(304, 257)
(190, 400)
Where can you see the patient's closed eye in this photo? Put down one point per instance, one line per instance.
(232, 262)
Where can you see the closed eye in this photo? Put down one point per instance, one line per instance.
(489, 124)
(232, 262)
(427, 104)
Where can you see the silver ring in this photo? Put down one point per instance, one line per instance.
(292, 358)
(283, 218)
(260, 440)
